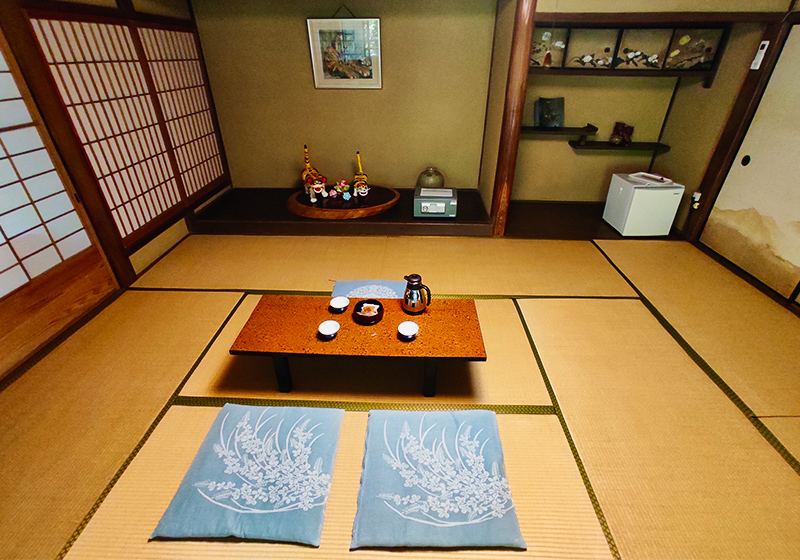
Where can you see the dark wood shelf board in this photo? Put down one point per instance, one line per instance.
(651, 147)
(653, 73)
(588, 130)
(263, 212)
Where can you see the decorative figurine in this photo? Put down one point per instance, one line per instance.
(310, 174)
(316, 187)
(334, 192)
(342, 188)
(621, 136)
(360, 187)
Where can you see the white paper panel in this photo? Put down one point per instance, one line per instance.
(7, 258)
(32, 163)
(21, 140)
(12, 196)
(13, 113)
(41, 261)
(44, 185)
(8, 89)
(7, 173)
(74, 244)
(19, 221)
(12, 279)
(31, 241)
(63, 226)
(54, 206)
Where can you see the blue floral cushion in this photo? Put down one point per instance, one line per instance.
(262, 473)
(434, 479)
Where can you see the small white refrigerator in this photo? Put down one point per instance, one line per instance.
(642, 204)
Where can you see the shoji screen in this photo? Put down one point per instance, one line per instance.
(39, 227)
(178, 77)
(101, 82)
(137, 100)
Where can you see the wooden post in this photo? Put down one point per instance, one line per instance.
(512, 113)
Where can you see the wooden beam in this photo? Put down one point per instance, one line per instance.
(655, 19)
(753, 87)
(512, 113)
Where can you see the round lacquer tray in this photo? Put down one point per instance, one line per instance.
(379, 200)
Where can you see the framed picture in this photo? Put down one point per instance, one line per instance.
(693, 49)
(345, 53)
(591, 48)
(548, 40)
(643, 49)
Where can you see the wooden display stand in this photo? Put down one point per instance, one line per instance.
(379, 200)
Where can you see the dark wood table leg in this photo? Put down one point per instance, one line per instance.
(429, 383)
(281, 364)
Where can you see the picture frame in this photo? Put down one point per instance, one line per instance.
(591, 48)
(643, 49)
(345, 52)
(693, 49)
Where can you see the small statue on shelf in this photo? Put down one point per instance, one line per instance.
(316, 187)
(310, 174)
(342, 188)
(360, 187)
(621, 135)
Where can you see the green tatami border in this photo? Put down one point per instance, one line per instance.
(598, 510)
(762, 428)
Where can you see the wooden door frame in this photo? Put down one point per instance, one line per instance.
(777, 26)
(744, 109)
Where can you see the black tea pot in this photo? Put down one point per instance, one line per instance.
(414, 302)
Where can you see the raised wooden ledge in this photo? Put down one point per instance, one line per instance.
(294, 205)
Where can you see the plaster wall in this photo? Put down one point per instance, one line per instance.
(436, 59)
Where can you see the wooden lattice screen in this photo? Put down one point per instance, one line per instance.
(123, 89)
(178, 77)
(39, 227)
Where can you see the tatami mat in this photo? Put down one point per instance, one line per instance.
(555, 514)
(679, 471)
(70, 421)
(787, 430)
(448, 265)
(508, 376)
(749, 340)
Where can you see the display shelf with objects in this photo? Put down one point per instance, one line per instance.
(614, 49)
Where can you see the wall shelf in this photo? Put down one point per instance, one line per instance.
(588, 130)
(650, 147)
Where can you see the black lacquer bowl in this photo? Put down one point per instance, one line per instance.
(368, 312)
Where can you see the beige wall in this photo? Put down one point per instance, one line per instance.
(549, 169)
(699, 115)
(436, 58)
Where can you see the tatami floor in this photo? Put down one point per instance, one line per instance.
(648, 399)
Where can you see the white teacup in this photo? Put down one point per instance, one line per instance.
(407, 330)
(339, 304)
(327, 329)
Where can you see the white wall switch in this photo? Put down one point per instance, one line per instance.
(759, 58)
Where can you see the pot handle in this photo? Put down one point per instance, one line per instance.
(427, 290)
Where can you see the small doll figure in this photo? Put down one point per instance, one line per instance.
(344, 189)
(362, 189)
(316, 186)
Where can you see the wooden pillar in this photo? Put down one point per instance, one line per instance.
(512, 113)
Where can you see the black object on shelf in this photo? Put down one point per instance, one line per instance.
(652, 147)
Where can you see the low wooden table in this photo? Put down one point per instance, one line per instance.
(284, 325)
